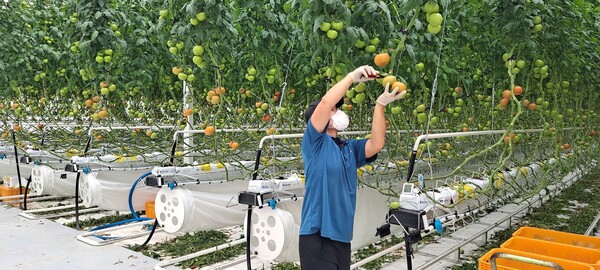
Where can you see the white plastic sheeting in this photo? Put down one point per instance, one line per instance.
(109, 190)
(200, 207)
(371, 209)
(8, 167)
(47, 181)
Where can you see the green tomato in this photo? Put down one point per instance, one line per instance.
(374, 41)
(325, 26)
(420, 66)
(422, 118)
(338, 26)
(370, 49)
(359, 44)
(332, 34)
(433, 29)
(201, 16)
(431, 7)
(435, 19)
(198, 50)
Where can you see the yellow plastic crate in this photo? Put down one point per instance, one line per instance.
(150, 210)
(507, 264)
(552, 249)
(571, 239)
(6, 191)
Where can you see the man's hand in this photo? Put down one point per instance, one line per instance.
(387, 97)
(363, 74)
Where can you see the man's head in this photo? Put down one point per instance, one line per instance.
(313, 105)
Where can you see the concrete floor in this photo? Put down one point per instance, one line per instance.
(44, 244)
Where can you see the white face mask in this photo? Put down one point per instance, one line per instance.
(340, 120)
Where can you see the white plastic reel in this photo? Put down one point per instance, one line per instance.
(272, 230)
(90, 190)
(170, 208)
(42, 178)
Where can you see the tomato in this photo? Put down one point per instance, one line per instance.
(209, 130)
(435, 19)
(518, 90)
(382, 59)
(332, 34)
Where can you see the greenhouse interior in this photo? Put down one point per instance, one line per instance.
(187, 134)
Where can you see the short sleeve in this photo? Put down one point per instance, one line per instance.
(359, 152)
(312, 139)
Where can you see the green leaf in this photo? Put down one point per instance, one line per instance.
(411, 51)
(318, 20)
(410, 4)
(579, 3)
(94, 35)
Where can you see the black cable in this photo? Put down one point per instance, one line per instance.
(248, 223)
(25, 196)
(256, 164)
(17, 160)
(149, 236)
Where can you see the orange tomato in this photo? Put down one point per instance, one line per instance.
(401, 87)
(102, 114)
(266, 118)
(510, 137)
(209, 131)
(382, 59)
(220, 90)
(518, 90)
(234, 144)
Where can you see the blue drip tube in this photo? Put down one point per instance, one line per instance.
(135, 218)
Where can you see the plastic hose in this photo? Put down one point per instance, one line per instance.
(131, 193)
(135, 218)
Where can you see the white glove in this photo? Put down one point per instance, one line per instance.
(387, 97)
(362, 73)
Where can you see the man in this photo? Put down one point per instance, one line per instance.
(330, 166)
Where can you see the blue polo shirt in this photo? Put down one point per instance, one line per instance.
(330, 181)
